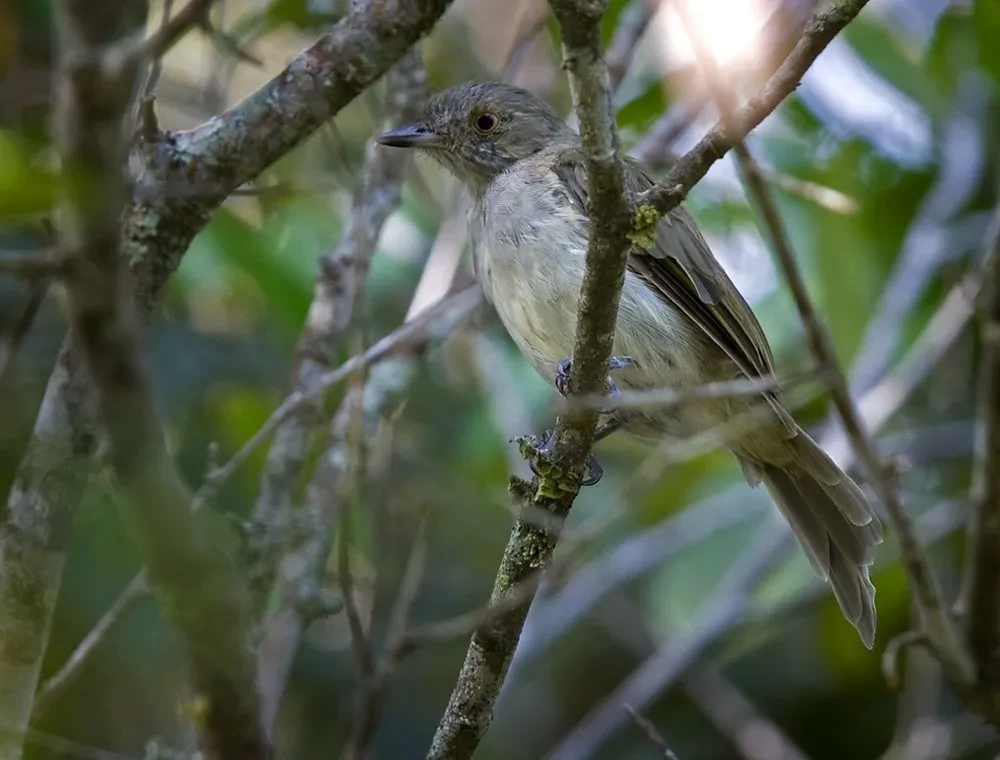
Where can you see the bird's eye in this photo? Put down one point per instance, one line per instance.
(486, 122)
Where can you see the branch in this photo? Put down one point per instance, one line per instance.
(342, 275)
(31, 266)
(530, 546)
(433, 324)
(203, 165)
(303, 567)
(200, 591)
(57, 683)
(941, 629)
(690, 168)
(982, 583)
(727, 605)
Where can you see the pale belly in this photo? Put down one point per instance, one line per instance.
(529, 253)
(536, 297)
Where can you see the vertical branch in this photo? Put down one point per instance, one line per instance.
(531, 544)
(200, 591)
(203, 165)
(302, 568)
(35, 523)
(982, 583)
(341, 278)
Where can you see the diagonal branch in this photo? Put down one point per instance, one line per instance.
(940, 628)
(694, 165)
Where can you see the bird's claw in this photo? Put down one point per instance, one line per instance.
(592, 475)
(542, 446)
(615, 362)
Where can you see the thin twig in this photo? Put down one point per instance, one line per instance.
(726, 606)
(666, 397)
(407, 338)
(26, 318)
(31, 266)
(195, 13)
(338, 287)
(348, 497)
(156, 68)
(940, 627)
(370, 711)
(629, 32)
(747, 728)
(56, 684)
(646, 726)
(690, 168)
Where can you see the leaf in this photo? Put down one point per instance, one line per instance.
(611, 18)
(25, 188)
(883, 52)
(640, 112)
(286, 288)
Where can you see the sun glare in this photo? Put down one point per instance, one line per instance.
(728, 27)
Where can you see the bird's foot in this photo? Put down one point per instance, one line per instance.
(615, 362)
(538, 453)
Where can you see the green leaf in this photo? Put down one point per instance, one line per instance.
(986, 23)
(640, 112)
(611, 17)
(25, 189)
(286, 288)
(884, 53)
(953, 48)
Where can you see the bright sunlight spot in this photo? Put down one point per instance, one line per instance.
(728, 27)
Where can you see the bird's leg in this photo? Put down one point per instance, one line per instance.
(593, 473)
(615, 362)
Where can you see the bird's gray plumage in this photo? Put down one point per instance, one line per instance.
(681, 320)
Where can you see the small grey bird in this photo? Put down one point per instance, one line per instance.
(681, 322)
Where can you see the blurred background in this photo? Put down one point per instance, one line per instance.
(683, 588)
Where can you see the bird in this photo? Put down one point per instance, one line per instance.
(681, 321)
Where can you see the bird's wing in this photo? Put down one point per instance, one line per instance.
(681, 268)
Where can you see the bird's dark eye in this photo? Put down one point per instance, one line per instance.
(486, 122)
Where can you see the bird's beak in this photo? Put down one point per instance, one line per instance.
(410, 136)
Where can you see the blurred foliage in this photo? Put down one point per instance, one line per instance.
(223, 344)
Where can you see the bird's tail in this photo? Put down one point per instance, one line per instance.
(832, 521)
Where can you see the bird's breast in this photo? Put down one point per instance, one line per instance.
(530, 256)
(530, 247)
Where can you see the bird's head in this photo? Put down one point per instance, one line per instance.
(478, 130)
